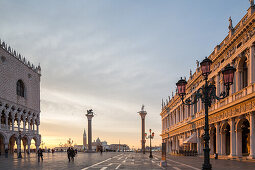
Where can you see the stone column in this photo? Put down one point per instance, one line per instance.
(18, 142)
(24, 124)
(37, 147)
(173, 144)
(177, 143)
(233, 87)
(223, 143)
(24, 146)
(170, 148)
(167, 143)
(251, 66)
(211, 141)
(6, 144)
(239, 142)
(28, 148)
(18, 124)
(218, 139)
(89, 116)
(143, 113)
(6, 120)
(29, 125)
(33, 121)
(238, 79)
(252, 135)
(12, 123)
(217, 85)
(198, 142)
(232, 138)
(0, 117)
(37, 128)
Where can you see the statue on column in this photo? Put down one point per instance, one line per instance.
(252, 2)
(90, 112)
(230, 27)
(142, 109)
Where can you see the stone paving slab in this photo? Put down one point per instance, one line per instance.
(116, 160)
(196, 162)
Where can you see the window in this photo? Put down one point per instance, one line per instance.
(20, 88)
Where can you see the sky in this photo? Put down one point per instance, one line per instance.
(112, 56)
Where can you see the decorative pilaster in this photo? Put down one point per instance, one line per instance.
(218, 139)
(198, 142)
(252, 65)
(232, 138)
(252, 135)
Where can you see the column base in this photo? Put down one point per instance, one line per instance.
(251, 157)
(232, 156)
(163, 164)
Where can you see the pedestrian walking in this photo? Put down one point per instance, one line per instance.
(69, 153)
(72, 154)
(40, 154)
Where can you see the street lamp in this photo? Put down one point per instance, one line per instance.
(19, 155)
(207, 93)
(151, 136)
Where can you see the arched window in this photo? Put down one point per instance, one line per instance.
(20, 88)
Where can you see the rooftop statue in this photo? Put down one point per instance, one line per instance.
(230, 27)
(252, 2)
(197, 62)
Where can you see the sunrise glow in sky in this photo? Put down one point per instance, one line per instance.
(112, 56)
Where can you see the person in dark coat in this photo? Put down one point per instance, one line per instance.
(40, 154)
(69, 153)
(72, 154)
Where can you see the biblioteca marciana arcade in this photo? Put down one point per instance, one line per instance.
(231, 119)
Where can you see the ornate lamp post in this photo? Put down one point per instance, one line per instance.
(207, 93)
(151, 136)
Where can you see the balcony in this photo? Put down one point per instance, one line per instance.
(9, 128)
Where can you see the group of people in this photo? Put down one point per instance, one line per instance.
(71, 153)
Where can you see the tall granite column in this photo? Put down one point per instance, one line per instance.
(143, 113)
(90, 116)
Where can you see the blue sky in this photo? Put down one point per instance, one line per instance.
(112, 56)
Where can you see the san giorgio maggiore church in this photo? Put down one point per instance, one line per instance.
(231, 120)
(19, 101)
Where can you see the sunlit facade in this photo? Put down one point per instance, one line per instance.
(19, 101)
(231, 120)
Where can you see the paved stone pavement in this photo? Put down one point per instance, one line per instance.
(116, 160)
(192, 162)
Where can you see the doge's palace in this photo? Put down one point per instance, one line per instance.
(19, 101)
(231, 120)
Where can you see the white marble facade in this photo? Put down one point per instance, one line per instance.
(19, 101)
(231, 120)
